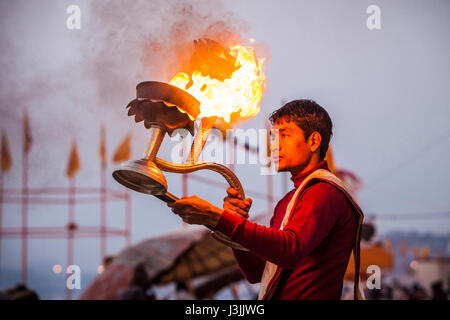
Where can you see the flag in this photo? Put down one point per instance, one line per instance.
(102, 148)
(123, 151)
(387, 244)
(330, 159)
(6, 161)
(415, 251)
(27, 139)
(74, 162)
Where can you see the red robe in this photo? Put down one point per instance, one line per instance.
(314, 248)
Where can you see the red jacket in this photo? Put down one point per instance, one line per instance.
(314, 248)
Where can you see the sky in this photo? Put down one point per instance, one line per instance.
(386, 91)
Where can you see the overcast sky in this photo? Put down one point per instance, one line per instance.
(387, 92)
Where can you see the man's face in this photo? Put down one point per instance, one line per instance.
(291, 152)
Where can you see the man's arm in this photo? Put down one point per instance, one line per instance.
(313, 218)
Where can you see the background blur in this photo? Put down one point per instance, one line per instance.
(386, 91)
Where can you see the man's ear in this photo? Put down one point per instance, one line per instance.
(314, 141)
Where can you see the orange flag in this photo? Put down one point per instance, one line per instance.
(27, 139)
(102, 149)
(74, 162)
(123, 151)
(6, 161)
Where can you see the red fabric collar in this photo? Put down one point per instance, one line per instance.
(300, 177)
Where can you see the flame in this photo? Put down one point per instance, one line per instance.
(239, 94)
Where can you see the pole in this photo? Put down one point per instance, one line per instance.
(24, 216)
(184, 179)
(184, 185)
(70, 231)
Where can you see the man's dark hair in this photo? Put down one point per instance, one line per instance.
(308, 116)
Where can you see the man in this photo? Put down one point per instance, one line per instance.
(305, 251)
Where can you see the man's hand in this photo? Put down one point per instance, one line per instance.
(195, 210)
(234, 203)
